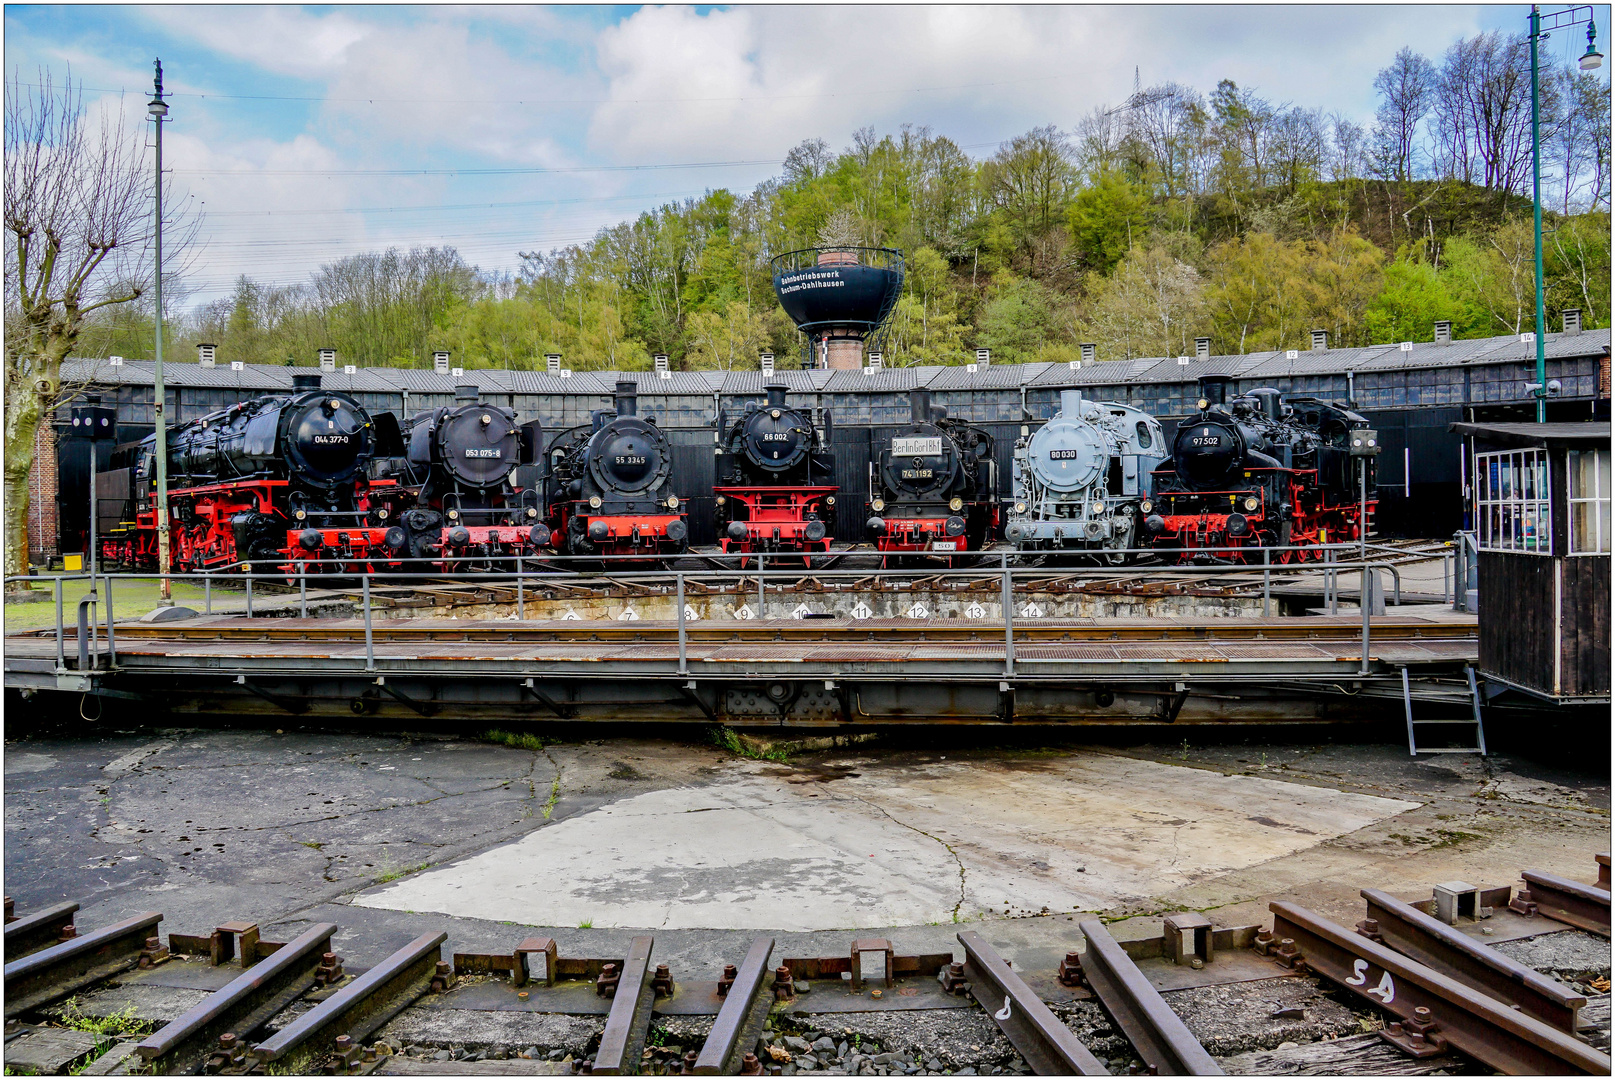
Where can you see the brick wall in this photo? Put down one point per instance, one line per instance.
(1603, 374)
(43, 525)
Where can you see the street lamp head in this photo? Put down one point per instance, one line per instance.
(157, 107)
(1592, 59)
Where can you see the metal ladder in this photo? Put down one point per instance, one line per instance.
(1480, 732)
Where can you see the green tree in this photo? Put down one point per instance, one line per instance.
(1106, 218)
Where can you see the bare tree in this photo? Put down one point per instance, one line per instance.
(1407, 90)
(1483, 112)
(78, 228)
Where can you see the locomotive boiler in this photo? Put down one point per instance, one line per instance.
(1260, 471)
(473, 508)
(1080, 477)
(278, 479)
(933, 487)
(775, 488)
(610, 487)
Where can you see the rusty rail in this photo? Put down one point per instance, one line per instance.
(241, 1007)
(628, 1023)
(54, 973)
(1436, 1011)
(1603, 869)
(1573, 902)
(41, 930)
(1436, 945)
(1155, 1031)
(1043, 1042)
(740, 1018)
(359, 1008)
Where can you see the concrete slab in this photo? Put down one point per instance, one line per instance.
(845, 846)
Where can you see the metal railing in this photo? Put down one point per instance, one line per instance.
(537, 570)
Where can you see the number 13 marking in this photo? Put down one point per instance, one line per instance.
(1385, 991)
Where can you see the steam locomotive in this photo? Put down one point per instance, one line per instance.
(1079, 478)
(610, 485)
(278, 479)
(1261, 472)
(775, 487)
(934, 487)
(463, 463)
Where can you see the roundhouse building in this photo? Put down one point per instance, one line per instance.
(1413, 392)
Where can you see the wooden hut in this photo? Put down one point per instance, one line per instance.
(1539, 497)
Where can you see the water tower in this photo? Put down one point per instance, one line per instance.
(838, 296)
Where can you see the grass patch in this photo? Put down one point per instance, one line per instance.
(586, 924)
(518, 741)
(555, 795)
(389, 873)
(730, 740)
(108, 1030)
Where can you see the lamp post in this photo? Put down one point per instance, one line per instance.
(1591, 60)
(157, 108)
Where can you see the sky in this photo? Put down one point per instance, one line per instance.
(309, 133)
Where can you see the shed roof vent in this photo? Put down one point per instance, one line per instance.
(1320, 341)
(1090, 352)
(766, 362)
(440, 363)
(1572, 320)
(1202, 347)
(327, 359)
(204, 355)
(1443, 331)
(552, 363)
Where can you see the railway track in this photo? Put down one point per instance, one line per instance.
(1445, 998)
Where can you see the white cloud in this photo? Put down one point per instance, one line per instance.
(286, 40)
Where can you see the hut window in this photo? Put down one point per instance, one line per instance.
(1589, 502)
(1513, 511)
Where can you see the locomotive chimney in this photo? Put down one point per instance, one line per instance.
(919, 405)
(776, 394)
(1071, 402)
(627, 398)
(1214, 388)
(306, 381)
(468, 392)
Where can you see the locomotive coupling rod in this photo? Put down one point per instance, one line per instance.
(51, 974)
(41, 930)
(1573, 902)
(358, 1009)
(1155, 1031)
(628, 1023)
(1464, 1019)
(740, 1019)
(241, 1007)
(1037, 1034)
(1433, 943)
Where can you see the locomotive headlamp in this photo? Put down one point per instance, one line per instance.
(300, 515)
(877, 505)
(956, 503)
(334, 404)
(486, 419)
(672, 502)
(1201, 404)
(594, 502)
(454, 515)
(1252, 503)
(774, 413)
(1096, 509)
(829, 500)
(1020, 508)
(1146, 506)
(721, 499)
(532, 511)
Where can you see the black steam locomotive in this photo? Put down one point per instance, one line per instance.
(473, 507)
(1262, 472)
(279, 479)
(610, 489)
(934, 488)
(776, 488)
